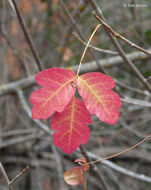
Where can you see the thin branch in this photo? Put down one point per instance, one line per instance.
(27, 161)
(17, 132)
(136, 102)
(119, 49)
(18, 176)
(13, 86)
(139, 154)
(121, 170)
(73, 22)
(149, 78)
(131, 88)
(95, 48)
(110, 62)
(119, 153)
(28, 111)
(45, 129)
(94, 168)
(68, 29)
(133, 131)
(115, 34)
(16, 52)
(5, 175)
(10, 183)
(27, 35)
(20, 139)
(86, 67)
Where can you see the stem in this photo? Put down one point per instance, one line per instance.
(84, 181)
(119, 153)
(17, 176)
(27, 36)
(5, 176)
(94, 168)
(87, 48)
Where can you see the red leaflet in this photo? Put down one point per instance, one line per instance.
(70, 126)
(94, 88)
(57, 91)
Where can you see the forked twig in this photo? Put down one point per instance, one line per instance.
(120, 36)
(119, 48)
(18, 176)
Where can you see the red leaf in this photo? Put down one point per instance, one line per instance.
(94, 88)
(57, 91)
(70, 126)
(74, 176)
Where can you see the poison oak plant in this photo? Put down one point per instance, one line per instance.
(71, 115)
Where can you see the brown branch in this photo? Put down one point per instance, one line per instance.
(68, 29)
(122, 170)
(16, 52)
(10, 183)
(119, 153)
(18, 176)
(115, 34)
(138, 154)
(136, 102)
(21, 139)
(27, 35)
(86, 67)
(75, 26)
(98, 14)
(46, 129)
(94, 168)
(5, 176)
(95, 48)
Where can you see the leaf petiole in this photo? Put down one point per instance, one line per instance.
(83, 54)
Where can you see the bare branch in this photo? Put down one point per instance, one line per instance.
(86, 67)
(45, 129)
(5, 175)
(94, 168)
(122, 170)
(27, 110)
(136, 102)
(27, 35)
(121, 37)
(18, 176)
(75, 26)
(20, 139)
(119, 48)
(95, 48)
(120, 153)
